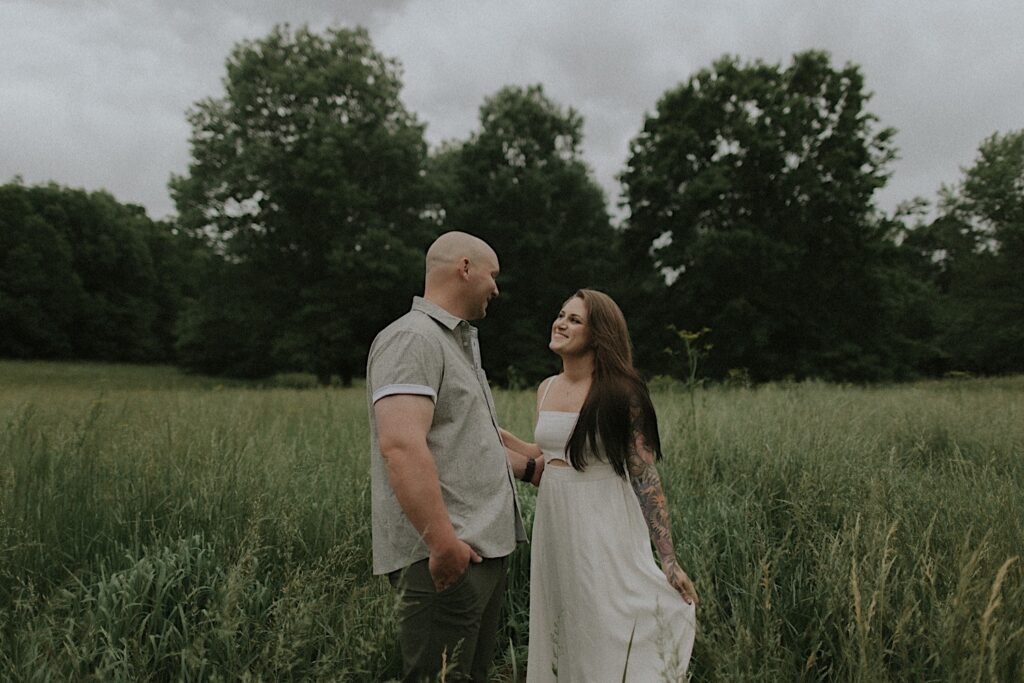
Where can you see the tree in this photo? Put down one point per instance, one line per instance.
(752, 186)
(39, 288)
(519, 182)
(84, 276)
(177, 258)
(976, 250)
(111, 256)
(226, 330)
(306, 178)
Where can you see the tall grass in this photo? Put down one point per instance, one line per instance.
(155, 526)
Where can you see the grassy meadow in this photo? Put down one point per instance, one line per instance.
(161, 527)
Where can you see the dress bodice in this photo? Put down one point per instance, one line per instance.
(552, 433)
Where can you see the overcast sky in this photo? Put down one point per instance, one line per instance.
(93, 93)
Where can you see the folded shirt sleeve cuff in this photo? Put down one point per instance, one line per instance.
(413, 389)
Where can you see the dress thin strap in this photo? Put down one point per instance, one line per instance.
(545, 396)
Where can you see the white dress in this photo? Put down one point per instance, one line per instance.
(594, 584)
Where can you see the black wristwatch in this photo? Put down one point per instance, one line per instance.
(531, 465)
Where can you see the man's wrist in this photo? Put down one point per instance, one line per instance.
(541, 464)
(442, 542)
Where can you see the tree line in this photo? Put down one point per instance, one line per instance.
(749, 234)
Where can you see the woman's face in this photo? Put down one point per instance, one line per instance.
(570, 333)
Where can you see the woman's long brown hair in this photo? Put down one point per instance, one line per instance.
(618, 401)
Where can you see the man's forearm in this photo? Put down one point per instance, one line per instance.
(414, 479)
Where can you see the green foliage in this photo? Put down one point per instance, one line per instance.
(39, 288)
(202, 532)
(83, 276)
(520, 183)
(306, 175)
(226, 330)
(753, 184)
(975, 250)
(205, 533)
(992, 192)
(310, 199)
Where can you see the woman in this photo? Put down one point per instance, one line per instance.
(599, 605)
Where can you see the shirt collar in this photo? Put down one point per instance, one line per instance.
(436, 312)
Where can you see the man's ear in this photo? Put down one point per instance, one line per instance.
(464, 267)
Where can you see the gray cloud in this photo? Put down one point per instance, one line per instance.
(94, 94)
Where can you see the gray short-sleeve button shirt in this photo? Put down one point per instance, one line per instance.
(430, 352)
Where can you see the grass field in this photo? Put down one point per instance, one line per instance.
(155, 526)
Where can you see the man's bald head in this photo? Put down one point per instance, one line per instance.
(461, 273)
(452, 247)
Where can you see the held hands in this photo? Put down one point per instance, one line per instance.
(448, 563)
(680, 581)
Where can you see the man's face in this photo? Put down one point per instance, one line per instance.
(483, 287)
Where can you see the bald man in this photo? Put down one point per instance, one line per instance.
(445, 514)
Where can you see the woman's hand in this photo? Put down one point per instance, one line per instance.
(525, 448)
(681, 582)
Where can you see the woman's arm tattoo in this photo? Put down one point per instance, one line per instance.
(647, 484)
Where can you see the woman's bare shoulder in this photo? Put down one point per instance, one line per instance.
(545, 383)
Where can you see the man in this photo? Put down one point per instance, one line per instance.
(445, 514)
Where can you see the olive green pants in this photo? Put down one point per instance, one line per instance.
(456, 628)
